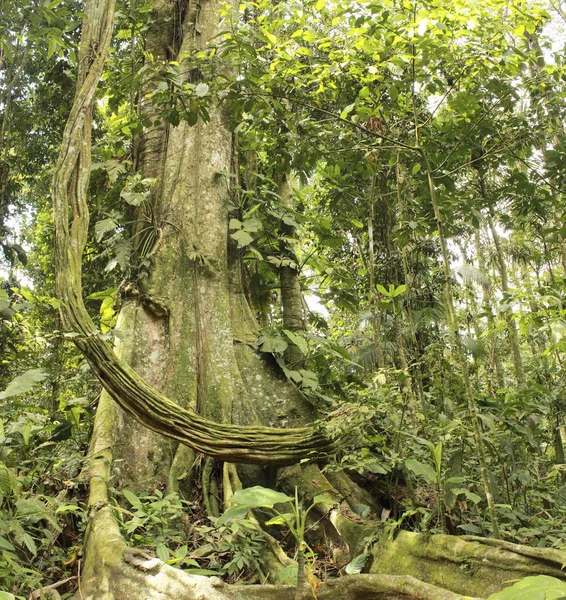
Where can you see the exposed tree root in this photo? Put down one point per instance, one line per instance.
(119, 573)
(464, 565)
(346, 527)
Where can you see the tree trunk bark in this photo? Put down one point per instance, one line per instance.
(291, 296)
(511, 325)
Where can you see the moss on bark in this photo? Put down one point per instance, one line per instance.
(466, 566)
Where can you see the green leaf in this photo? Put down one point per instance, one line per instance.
(252, 225)
(347, 110)
(67, 508)
(102, 295)
(7, 595)
(181, 552)
(133, 198)
(421, 470)
(319, 499)
(320, 4)
(131, 497)
(474, 529)
(232, 514)
(356, 565)
(541, 587)
(283, 519)
(23, 383)
(259, 496)
(298, 340)
(437, 454)
(310, 379)
(273, 344)
(52, 46)
(103, 227)
(242, 237)
(374, 467)
(162, 552)
(469, 495)
(289, 220)
(26, 433)
(5, 545)
(401, 289)
(30, 543)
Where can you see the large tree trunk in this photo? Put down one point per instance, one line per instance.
(189, 332)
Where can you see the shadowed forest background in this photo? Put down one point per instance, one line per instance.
(282, 294)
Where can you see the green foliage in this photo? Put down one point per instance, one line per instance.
(164, 522)
(23, 383)
(153, 519)
(256, 497)
(31, 528)
(357, 564)
(541, 587)
(295, 521)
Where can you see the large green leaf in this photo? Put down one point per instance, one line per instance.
(299, 341)
(233, 513)
(131, 498)
(421, 470)
(259, 496)
(23, 383)
(539, 587)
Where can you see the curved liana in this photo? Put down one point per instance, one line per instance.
(233, 443)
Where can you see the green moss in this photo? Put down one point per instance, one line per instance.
(454, 563)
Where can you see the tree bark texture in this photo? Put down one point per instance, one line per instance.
(192, 266)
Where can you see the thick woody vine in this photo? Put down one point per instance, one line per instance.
(243, 444)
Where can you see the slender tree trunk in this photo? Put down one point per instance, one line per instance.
(375, 317)
(408, 277)
(454, 328)
(511, 325)
(291, 295)
(496, 366)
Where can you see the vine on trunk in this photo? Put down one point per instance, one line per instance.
(242, 444)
